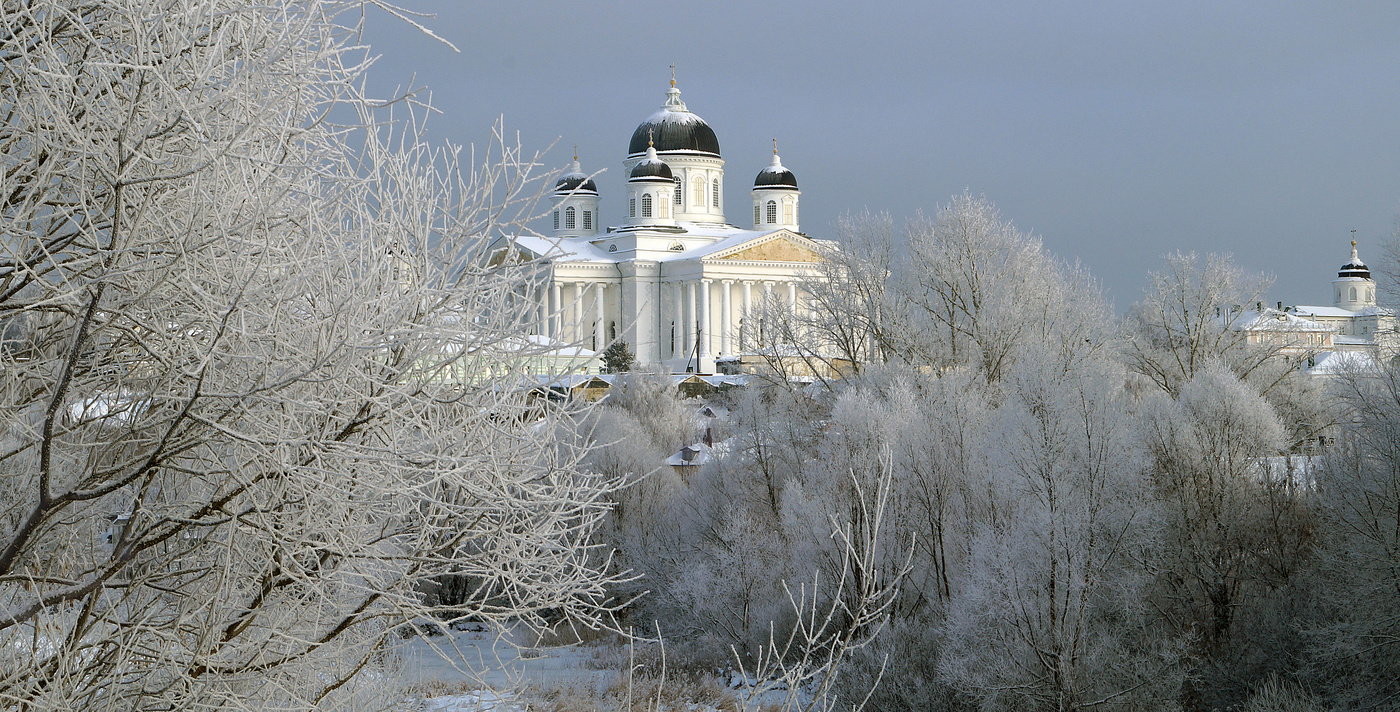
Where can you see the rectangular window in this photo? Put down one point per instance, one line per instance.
(631, 207)
(588, 219)
(788, 213)
(715, 192)
(755, 214)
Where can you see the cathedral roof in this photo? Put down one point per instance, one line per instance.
(1355, 268)
(774, 175)
(650, 168)
(674, 129)
(575, 180)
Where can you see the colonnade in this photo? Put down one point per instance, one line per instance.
(691, 306)
(575, 311)
(564, 320)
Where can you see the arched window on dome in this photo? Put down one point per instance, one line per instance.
(678, 189)
(631, 207)
(569, 218)
(588, 219)
(1353, 294)
(772, 214)
(646, 205)
(697, 193)
(714, 192)
(556, 219)
(789, 212)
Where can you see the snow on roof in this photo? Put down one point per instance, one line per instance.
(665, 115)
(563, 250)
(1274, 320)
(1339, 313)
(580, 249)
(690, 456)
(1335, 363)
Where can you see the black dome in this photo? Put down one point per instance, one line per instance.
(779, 177)
(579, 182)
(674, 131)
(1353, 269)
(651, 169)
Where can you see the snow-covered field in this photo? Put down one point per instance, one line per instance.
(482, 669)
(496, 670)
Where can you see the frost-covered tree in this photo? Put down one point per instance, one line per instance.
(1358, 636)
(1232, 527)
(982, 293)
(1181, 325)
(247, 410)
(1051, 613)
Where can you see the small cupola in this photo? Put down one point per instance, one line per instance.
(649, 187)
(575, 198)
(1353, 289)
(775, 196)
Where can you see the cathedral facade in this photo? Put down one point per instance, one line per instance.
(676, 281)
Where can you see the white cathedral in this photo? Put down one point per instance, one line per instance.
(676, 282)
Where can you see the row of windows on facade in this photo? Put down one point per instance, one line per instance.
(1370, 295)
(698, 192)
(647, 206)
(789, 213)
(569, 216)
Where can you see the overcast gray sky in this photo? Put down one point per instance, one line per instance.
(1116, 131)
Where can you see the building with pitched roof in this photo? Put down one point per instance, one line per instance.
(676, 281)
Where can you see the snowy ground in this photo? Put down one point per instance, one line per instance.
(482, 670)
(481, 667)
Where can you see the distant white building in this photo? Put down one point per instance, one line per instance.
(1360, 324)
(676, 281)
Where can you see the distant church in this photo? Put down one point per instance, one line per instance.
(676, 281)
(1354, 315)
(1352, 333)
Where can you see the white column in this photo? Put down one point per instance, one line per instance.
(578, 312)
(792, 296)
(706, 328)
(679, 308)
(556, 319)
(767, 304)
(691, 318)
(726, 319)
(746, 326)
(600, 326)
(678, 344)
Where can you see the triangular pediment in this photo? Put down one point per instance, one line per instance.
(780, 246)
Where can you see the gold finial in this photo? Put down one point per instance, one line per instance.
(673, 75)
(575, 152)
(650, 144)
(775, 146)
(1353, 238)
